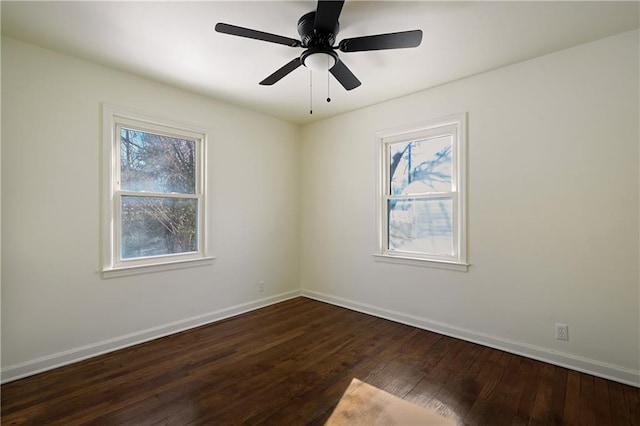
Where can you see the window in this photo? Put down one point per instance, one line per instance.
(422, 194)
(154, 198)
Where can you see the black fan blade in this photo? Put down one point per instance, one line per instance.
(276, 76)
(327, 15)
(344, 76)
(382, 41)
(256, 35)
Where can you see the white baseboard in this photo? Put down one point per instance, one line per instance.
(49, 362)
(573, 362)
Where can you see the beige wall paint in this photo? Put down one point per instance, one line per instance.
(53, 298)
(552, 201)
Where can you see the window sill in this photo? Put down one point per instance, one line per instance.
(416, 261)
(122, 271)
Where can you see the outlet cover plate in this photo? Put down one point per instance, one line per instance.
(562, 332)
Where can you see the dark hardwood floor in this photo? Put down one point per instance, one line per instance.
(289, 364)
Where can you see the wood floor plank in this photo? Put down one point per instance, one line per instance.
(457, 383)
(290, 364)
(618, 402)
(602, 407)
(529, 376)
(558, 396)
(587, 401)
(542, 402)
(572, 399)
(435, 371)
(489, 377)
(509, 390)
(632, 399)
(375, 358)
(468, 385)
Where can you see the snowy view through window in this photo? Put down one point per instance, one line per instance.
(421, 203)
(159, 203)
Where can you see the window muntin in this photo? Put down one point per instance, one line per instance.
(155, 194)
(422, 192)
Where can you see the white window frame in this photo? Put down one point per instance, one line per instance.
(114, 118)
(454, 126)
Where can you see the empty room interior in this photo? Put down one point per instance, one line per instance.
(240, 212)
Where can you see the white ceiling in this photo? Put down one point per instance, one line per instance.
(175, 43)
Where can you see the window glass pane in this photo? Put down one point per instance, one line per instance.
(421, 166)
(156, 163)
(421, 226)
(154, 226)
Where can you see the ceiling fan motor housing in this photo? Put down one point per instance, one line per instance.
(311, 38)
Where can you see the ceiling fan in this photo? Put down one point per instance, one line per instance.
(318, 31)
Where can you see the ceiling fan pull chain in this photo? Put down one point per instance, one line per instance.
(328, 80)
(310, 92)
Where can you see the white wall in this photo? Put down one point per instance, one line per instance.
(553, 201)
(55, 306)
(553, 197)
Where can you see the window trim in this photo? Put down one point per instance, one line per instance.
(114, 118)
(454, 125)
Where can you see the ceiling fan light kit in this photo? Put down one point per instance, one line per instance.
(319, 60)
(318, 31)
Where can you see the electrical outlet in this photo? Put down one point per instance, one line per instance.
(260, 286)
(562, 332)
